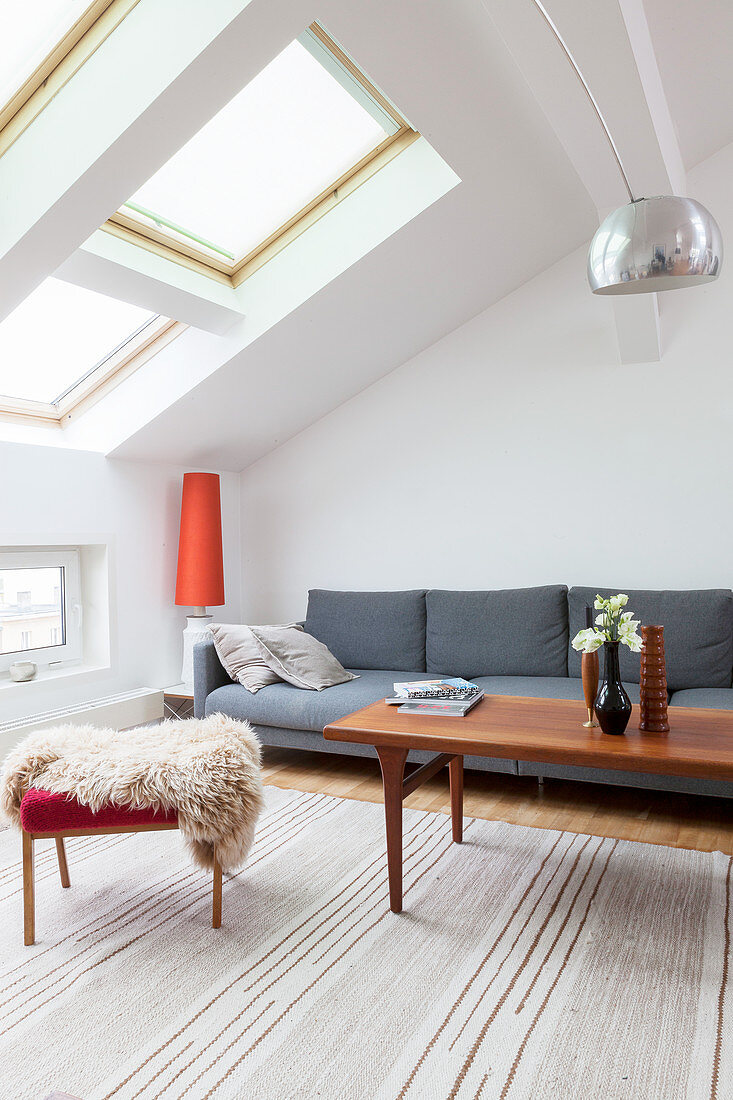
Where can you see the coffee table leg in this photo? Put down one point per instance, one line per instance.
(455, 768)
(392, 762)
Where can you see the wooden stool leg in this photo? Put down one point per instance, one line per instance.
(29, 902)
(216, 916)
(63, 865)
(456, 797)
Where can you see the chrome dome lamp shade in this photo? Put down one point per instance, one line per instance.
(648, 245)
(655, 244)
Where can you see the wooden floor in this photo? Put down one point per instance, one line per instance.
(656, 817)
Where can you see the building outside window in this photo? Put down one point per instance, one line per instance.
(40, 606)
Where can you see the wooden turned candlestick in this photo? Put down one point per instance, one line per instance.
(653, 682)
(589, 675)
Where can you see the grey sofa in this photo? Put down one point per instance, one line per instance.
(510, 642)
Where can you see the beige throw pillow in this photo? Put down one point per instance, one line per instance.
(241, 656)
(299, 658)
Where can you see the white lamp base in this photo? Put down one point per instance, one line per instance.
(196, 631)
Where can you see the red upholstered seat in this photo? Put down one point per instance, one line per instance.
(44, 812)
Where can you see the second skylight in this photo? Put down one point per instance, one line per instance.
(287, 137)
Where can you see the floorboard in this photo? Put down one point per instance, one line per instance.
(655, 817)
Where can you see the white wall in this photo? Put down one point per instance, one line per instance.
(71, 497)
(541, 459)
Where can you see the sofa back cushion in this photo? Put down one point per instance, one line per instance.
(698, 633)
(513, 632)
(370, 629)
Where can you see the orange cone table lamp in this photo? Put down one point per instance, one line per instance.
(200, 575)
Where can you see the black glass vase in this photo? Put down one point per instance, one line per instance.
(613, 706)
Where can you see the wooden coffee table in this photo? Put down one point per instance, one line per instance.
(699, 745)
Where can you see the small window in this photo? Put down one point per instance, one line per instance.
(40, 607)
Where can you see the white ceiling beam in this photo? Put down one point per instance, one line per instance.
(596, 33)
(163, 72)
(638, 334)
(642, 46)
(123, 270)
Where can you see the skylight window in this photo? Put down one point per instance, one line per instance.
(62, 336)
(290, 138)
(275, 147)
(43, 43)
(29, 31)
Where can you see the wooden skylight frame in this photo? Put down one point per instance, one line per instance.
(98, 20)
(125, 225)
(119, 364)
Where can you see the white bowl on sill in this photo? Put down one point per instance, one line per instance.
(22, 671)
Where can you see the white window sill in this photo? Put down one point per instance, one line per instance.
(51, 677)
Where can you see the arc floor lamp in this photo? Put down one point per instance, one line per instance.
(650, 244)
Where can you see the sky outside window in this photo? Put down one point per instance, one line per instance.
(58, 334)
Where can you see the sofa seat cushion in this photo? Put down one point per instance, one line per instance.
(719, 698)
(512, 632)
(370, 630)
(698, 633)
(541, 687)
(288, 707)
(294, 708)
(47, 812)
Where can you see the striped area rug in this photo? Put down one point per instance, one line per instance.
(527, 964)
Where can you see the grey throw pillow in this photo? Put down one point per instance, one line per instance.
(241, 656)
(299, 658)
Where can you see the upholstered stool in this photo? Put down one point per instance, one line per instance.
(201, 776)
(44, 815)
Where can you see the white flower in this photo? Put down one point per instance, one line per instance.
(601, 619)
(627, 635)
(600, 603)
(588, 640)
(617, 602)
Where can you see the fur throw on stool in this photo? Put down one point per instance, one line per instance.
(208, 770)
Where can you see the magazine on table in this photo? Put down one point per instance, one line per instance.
(454, 688)
(439, 708)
